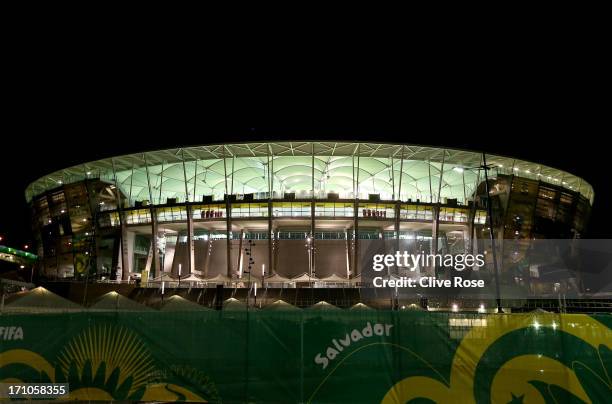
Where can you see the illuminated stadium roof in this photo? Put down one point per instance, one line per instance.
(393, 171)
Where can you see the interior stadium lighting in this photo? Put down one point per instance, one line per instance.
(88, 172)
(554, 325)
(21, 266)
(528, 172)
(481, 308)
(455, 307)
(501, 166)
(59, 182)
(515, 169)
(536, 325)
(458, 169)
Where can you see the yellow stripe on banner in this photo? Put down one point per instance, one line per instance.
(28, 358)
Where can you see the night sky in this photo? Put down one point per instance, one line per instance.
(45, 137)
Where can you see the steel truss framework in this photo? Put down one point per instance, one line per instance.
(395, 172)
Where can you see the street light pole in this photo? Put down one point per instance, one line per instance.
(249, 252)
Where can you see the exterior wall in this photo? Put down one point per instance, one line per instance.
(210, 256)
(331, 258)
(292, 258)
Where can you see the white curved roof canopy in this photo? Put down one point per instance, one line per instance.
(393, 171)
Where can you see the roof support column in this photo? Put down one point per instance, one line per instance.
(312, 216)
(154, 250)
(195, 182)
(472, 217)
(123, 244)
(190, 246)
(131, 182)
(435, 222)
(356, 270)
(398, 206)
(396, 225)
(161, 185)
(270, 229)
(491, 233)
(228, 219)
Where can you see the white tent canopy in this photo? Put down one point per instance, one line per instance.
(39, 300)
(178, 303)
(322, 305)
(218, 279)
(304, 278)
(192, 278)
(360, 306)
(334, 278)
(280, 305)
(163, 277)
(233, 304)
(276, 278)
(113, 301)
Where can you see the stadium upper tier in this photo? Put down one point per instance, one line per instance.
(349, 169)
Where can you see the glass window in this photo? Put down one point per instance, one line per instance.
(250, 210)
(334, 209)
(447, 214)
(292, 235)
(408, 212)
(481, 217)
(213, 211)
(172, 214)
(291, 209)
(138, 216)
(461, 215)
(376, 210)
(424, 212)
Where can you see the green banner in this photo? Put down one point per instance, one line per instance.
(304, 356)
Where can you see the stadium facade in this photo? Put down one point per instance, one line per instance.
(310, 209)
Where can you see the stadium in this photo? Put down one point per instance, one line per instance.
(287, 214)
(239, 273)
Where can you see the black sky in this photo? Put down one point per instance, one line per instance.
(44, 140)
(62, 111)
